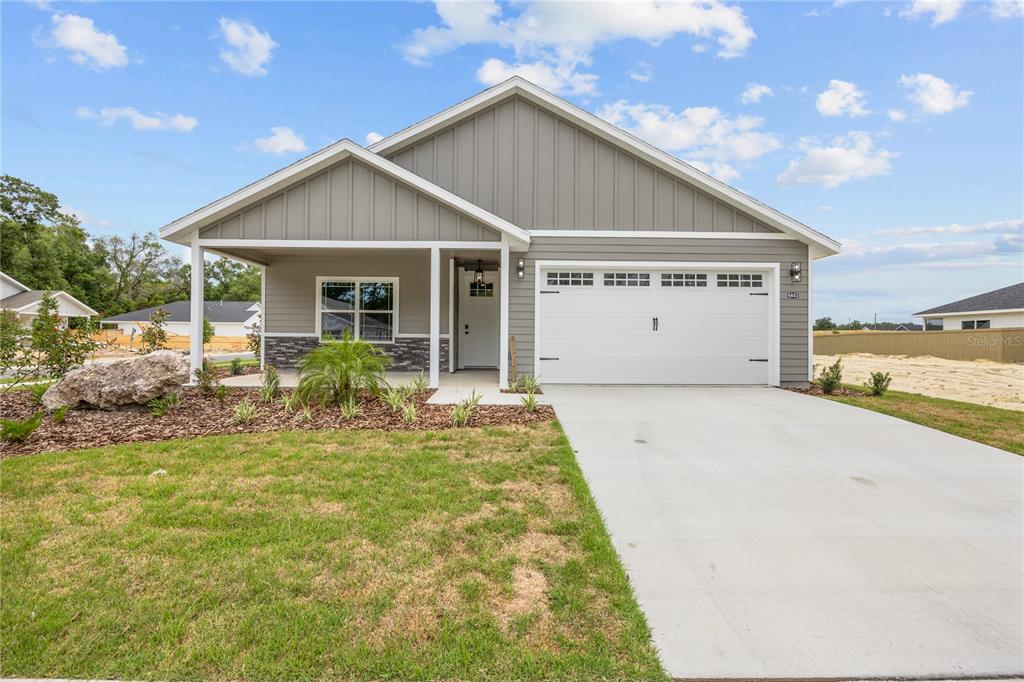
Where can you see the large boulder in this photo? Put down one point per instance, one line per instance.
(108, 386)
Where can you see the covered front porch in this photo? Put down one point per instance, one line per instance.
(439, 308)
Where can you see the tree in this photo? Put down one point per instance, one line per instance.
(46, 248)
(208, 331)
(142, 272)
(56, 349)
(15, 357)
(229, 280)
(154, 336)
(255, 336)
(824, 324)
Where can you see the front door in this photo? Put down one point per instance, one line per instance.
(478, 320)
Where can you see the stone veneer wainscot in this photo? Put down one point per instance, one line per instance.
(410, 354)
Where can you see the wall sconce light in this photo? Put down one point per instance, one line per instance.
(521, 268)
(478, 274)
(796, 272)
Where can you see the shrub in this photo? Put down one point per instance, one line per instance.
(529, 402)
(236, 366)
(333, 372)
(529, 383)
(208, 331)
(879, 383)
(464, 410)
(290, 402)
(306, 415)
(158, 407)
(245, 412)
(37, 391)
(349, 409)
(831, 377)
(221, 392)
(154, 336)
(515, 385)
(271, 382)
(252, 339)
(420, 383)
(409, 413)
(394, 398)
(15, 356)
(55, 349)
(60, 414)
(206, 379)
(17, 430)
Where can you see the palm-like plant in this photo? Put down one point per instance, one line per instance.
(334, 372)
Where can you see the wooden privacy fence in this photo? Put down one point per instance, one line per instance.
(174, 341)
(1000, 345)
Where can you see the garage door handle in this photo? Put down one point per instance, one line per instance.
(759, 294)
(759, 359)
(550, 292)
(549, 358)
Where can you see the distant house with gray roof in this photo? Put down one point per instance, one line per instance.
(997, 309)
(229, 318)
(24, 302)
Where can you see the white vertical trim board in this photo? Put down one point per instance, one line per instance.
(263, 317)
(196, 309)
(451, 314)
(503, 273)
(435, 317)
(772, 287)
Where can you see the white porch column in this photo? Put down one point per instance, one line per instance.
(503, 272)
(435, 316)
(263, 317)
(196, 308)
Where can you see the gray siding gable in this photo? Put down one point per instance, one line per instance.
(350, 201)
(540, 171)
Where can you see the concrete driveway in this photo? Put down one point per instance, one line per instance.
(770, 534)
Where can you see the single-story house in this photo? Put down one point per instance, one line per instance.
(517, 226)
(229, 318)
(18, 298)
(997, 309)
(909, 327)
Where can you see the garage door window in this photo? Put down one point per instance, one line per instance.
(739, 279)
(627, 279)
(570, 279)
(684, 279)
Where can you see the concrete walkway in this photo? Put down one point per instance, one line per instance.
(769, 534)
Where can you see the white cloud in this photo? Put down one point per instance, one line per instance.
(897, 115)
(1006, 227)
(561, 78)
(942, 11)
(1007, 9)
(373, 137)
(282, 140)
(643, 73)
(706, 137)
(934, 96)
(108, 116)
(699, 48)
(84, 218)
(849, 157)
(88, 45)
(246, 49)
(555, 38)
(755, 92)
(841, 98)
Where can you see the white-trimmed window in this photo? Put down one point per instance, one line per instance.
(684, 279)
(627, 279)
(366, 307)
(976, 324)
(739, 279)
(570, 279)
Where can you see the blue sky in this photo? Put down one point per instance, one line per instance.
(895, 127)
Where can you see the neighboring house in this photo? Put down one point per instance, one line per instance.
(909, 327)
(18, 298)
(229, 318)
(516, 215)
(997, 309)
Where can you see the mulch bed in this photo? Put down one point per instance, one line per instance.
(815, 389)
(224, 372)
(200, 415)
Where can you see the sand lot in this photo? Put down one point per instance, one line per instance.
(977, 381)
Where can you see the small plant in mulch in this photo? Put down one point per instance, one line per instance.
(349, 409)
(394, 398)
(236, 366)
(271, 384)
(244, 412)
(524, 383)
(60, 414)
(17, 430)
(463, 411)
(37, 391)
(831, 377)
(158, 407)
(529, 402)
(420, 383)
(206, 379)
(335, 371)
(409, 413)
(878, 383)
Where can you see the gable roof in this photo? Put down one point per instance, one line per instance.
(1005, 299)
(21, 301)
(13, 282)
(313, 164)
(181, 311)
(518, 86)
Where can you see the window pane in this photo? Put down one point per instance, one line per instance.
(375, 326)
(335, 324)
(983, 324)
(967, 324)
(375, 296)
(338, 295)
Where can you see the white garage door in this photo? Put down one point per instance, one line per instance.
(638, 326)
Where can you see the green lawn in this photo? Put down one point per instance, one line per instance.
(993, 426)
(461, 554)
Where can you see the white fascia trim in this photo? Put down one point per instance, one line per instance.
(661, 234)
(774, 291)
(932, 316)
(210, 244)
(231, 256)
(14, 281)
(519, 86)
(318, 161)
(56, 294)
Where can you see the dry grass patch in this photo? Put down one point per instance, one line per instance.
(461, 554)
